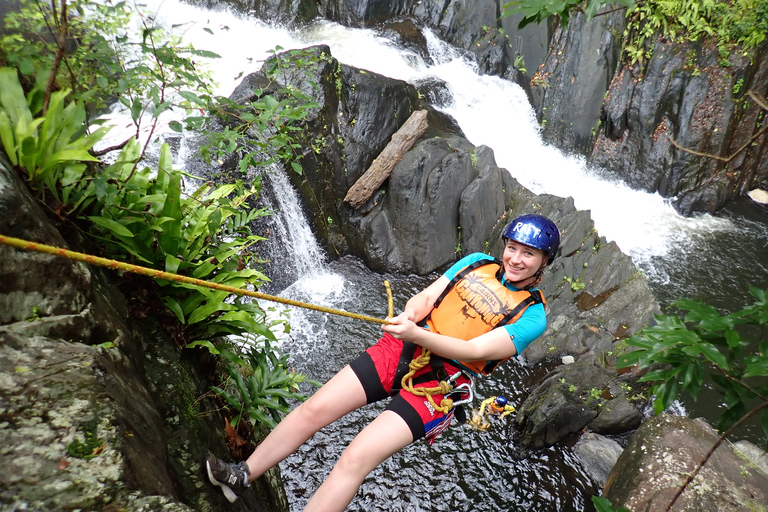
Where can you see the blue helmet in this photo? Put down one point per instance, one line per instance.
(536, 231)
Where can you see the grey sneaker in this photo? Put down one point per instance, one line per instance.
(232, 478)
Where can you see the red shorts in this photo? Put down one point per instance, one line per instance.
(381, 369)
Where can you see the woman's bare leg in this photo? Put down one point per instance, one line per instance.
(339, 396)
(385, 436)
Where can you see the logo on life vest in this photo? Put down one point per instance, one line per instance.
(480, 299)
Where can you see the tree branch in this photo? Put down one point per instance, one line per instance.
(61, 43)
(730, 157)
(711, 452)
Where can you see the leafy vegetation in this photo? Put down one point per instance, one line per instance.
(52, 148)
(262, 131)
(726, 351)
(260, 384)
(729, 350)
(603, 505)
(536, 11)
(740, 22)
(150, 212)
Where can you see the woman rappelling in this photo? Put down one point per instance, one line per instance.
(481, 312)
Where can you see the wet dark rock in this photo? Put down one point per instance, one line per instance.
(597, 454)
(568, 89)
(666, 448)
(406, 34)
(573, 397)
(629, 115)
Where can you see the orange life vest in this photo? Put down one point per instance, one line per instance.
(474, 302)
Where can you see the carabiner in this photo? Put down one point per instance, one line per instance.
(466, 389)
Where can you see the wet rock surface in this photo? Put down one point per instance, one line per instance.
(663, 452)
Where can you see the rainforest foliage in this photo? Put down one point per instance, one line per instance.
(65, 63)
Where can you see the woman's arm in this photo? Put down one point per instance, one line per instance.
(422, 304)
(496, 344)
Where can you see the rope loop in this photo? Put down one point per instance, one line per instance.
(443, 387)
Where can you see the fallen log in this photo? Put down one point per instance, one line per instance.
(382, 166)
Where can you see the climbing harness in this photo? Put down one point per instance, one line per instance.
(493, 407)
(444, 387)
(168, 276)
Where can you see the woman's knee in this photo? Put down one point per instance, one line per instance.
(311, 412)
(356, 462)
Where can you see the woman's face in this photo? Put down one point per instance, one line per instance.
(521, 262)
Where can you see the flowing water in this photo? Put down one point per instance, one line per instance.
(712, 258)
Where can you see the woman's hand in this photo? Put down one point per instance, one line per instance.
(402, 326)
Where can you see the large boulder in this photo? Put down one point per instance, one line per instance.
(597, 454)
(446, 198)
(576, 396)
(664, 451)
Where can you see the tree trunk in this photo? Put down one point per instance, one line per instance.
(382, 166)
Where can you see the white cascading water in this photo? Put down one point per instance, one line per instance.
(490, 111)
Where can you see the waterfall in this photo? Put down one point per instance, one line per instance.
(491, 111)
(291, 241)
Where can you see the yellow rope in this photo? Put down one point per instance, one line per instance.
(390, 303)
(443, 387)
(168, 276)
(420, 362)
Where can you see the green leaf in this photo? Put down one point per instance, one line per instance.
(115, 227)
(174, 306)
(604, 505)
(12, 98)
(172, 263)
(136, 109)
(210, 307)
(205, 53)
(192, 97)
(261, 417)
(6, 137)
(715, 356)
(71, 155)
(666, 393)
(204, 344)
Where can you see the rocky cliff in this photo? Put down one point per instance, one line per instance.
(99, 407)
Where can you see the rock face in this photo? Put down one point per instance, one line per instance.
(629, 115)
(97, 411)
(598, 454)
(666, 449)
(447, 198)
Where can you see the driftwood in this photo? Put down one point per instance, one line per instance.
(382, 166)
